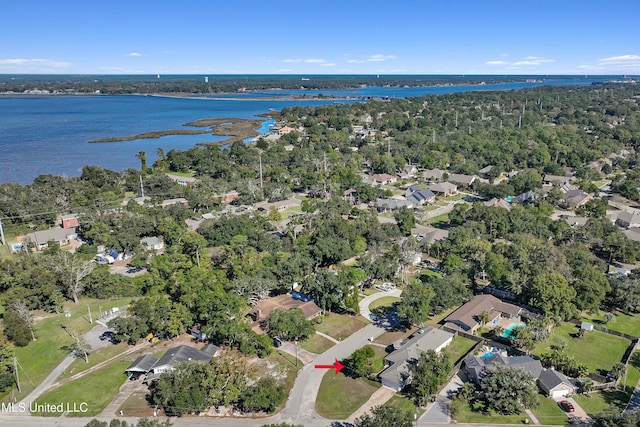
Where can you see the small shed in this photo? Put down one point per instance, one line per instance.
(585, 327)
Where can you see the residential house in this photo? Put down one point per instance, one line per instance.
(557, 179)
(575, 198)
(485, 171)
(230, 196)
(466, 318)
(185, 181)
(398, 372)
(152, 243)
(628, 220)
(69, 221)
(279, 206)
(575, 221)
(178, 201)
(443, 188)
(555, 385)
(141, 365)
(461, 179)
(632, 234)
(351, 196)
(285, 302)
(61, 236)
(433, 175)
(526, 197)
(393, 204)
(383, 178)
(285, 130)
(498, 203)
(180, 354)
(420, 197)
(408, 172)
(474, 366)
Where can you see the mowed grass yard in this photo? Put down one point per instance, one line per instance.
(384, 302)
(340, 326)
(597, 350)
(340, 396)
(316, 344)
(548, 413)
(624, 323)
(96, 389)
(459, 347)
(39, 357)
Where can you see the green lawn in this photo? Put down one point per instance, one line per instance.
(403, 403)
(96, 390)
(439, 219)
(623, 322)
(459, 347)
(39, 358)
(340, 326)
(435, 320)
(378, 359)
(390, 337)
(371, 291)
(549, 412)
(136, 405)
(96, 357)
(599, 402)
(316, 344)
(597, 350)
(467, 415)
(340, 396)
(384, 302)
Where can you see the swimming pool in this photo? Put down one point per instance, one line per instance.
(487, 355)
(507, 332)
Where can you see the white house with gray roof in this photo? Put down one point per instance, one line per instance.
(398, 372)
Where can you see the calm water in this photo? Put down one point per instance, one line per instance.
(49, 134)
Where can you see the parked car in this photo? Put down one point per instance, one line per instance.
(107, 336)
(277, 342)
(567, 406)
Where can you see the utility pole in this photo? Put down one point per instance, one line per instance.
(15, 369)
(456, 120)
(90, 318)
(434, 136)
(4, 242)
(141, 188)
(260, 170)
(520, 122)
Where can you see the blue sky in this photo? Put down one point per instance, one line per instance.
(320, 37)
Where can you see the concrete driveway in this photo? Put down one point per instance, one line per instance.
(578, 412)
(366, 301)
(438, 412)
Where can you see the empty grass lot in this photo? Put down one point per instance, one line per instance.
(340, 396)
(96, 389)
(384, 302)
(597, 350)
(316, 344)
(340, 326)
(136, 405)
(403, 403)
(39, 357)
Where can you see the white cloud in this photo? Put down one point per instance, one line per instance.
(292, 60)
(621, 60)
(33, 63)
(356, 61)
(314, 61)
(496, 63)
(532, 60)
(135, 54)
(328, 64)
(379, 58)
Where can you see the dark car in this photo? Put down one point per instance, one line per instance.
(277, 342)
(567, 406)
(107, 336)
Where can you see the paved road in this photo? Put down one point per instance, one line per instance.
(439, 412)
(366, 302)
